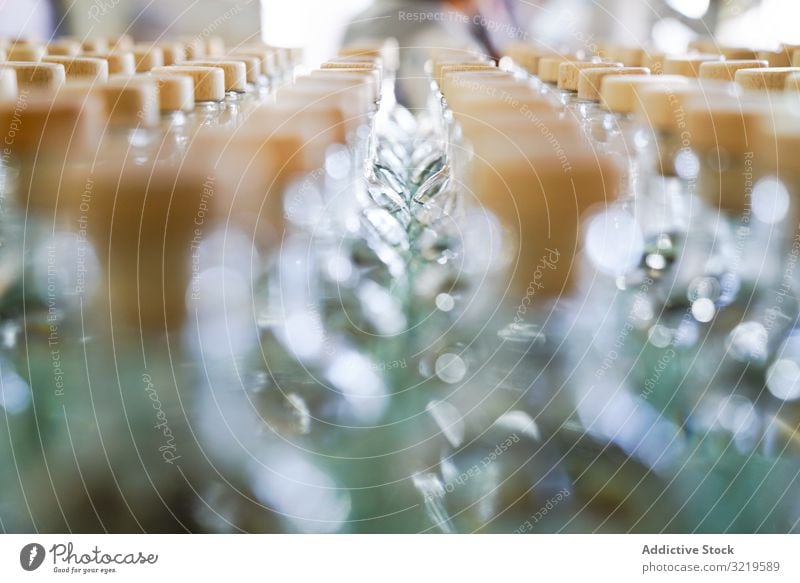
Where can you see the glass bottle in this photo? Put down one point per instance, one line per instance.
(48, 269)
(588, 103)
(569, 74)
(209, 94)
(41, 244)
(9, 86)
(512, 387)
(619, 95)
(176, 104)
(668, 167)
(237, 94)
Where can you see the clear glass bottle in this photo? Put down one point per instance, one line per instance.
(621, 133)
(238, 96)
(209, 94)
(176, 104)
(588, 105)
(509, 387)
(40, 171)
(569, 75)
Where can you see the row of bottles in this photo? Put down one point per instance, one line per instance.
(113, 225)
(242, 298)
(677, 352)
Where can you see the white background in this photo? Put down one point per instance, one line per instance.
(390, 558)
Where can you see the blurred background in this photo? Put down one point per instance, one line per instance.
(320, 25)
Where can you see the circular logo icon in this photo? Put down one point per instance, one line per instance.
(31, 556)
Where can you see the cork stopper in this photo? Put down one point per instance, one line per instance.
(209, 82)
(515, 131)
(442, 56)
(478, 81)
(95, 45)
(264, 55)
(687, 66)
(82, 68)
(590, 80)
(627, 55)
(121, 43)
(542, 197)
(235, 72)
(663, 106)
(353, 66)
(710, 46)
(46, 77)
(352, 101)
(131, 103)
(654, 61)
(779, 58)
(173, 52)
(360, 49)
(704, 45)
(726, 70)
(373, 74)
(215, 46)
(620, 93)
(387, 49)
(724, 133)
(194, 48)
(450, 54)
(355, 63)
(765, 79)
(344, 78)
(118, 63)
(737, 53)
(514, 97)
(662, 109)
(147, 57)
(791, 50)
(445, 67)
(143, 221)
(525, 56)
(569, 72)
(252, 66)
(793, 82)
(175, 92)
(8, 83)
(64, 48)
(375, 61)
(548, 68)
(25, 52)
